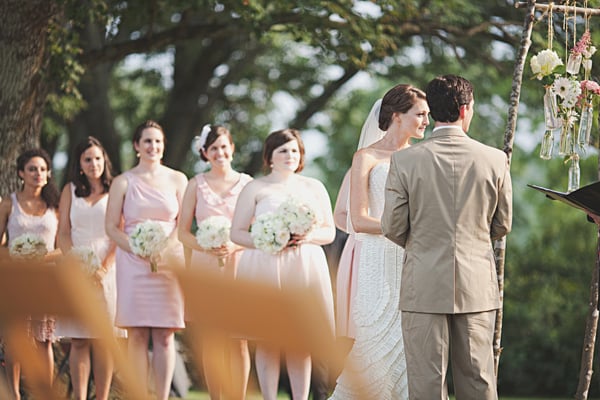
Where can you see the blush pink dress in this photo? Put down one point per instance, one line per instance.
(146, 298)
(85, 218)
(345, 288)
(301, 267)
(209, 204)
(45, 226)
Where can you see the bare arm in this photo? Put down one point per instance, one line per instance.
(340, 212)
(54, 255)
(114, 212)
(325, 232)
(362, 222)
(243, 215)
(5, 209)
(64, 240)
(186, 217)
(180, 182)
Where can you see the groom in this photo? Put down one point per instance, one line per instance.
(446, 199)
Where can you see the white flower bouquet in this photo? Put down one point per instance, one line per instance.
(28, 247)
(87, 259)
(213, 232)
(298, 217)
(269, 232)
(148, 239)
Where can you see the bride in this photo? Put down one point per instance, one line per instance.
(376, 367)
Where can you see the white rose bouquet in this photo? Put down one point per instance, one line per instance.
(269, 232)
(298, 217)
(28, 247)
(87, 259)
(148, 239)
(213, 232)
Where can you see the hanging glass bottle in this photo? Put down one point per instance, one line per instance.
(551, 110)
(585, 123)
(574, 63)
(547, 145)
(565, 143)
(574, 173)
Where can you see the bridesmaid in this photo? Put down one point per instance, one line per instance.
(301, 264)
(346, 275)
(210, 194)
(82, 210)
(33, 209)
(149, 304)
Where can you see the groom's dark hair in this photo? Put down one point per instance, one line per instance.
(445, 95)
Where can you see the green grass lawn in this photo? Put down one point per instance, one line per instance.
(193, 395)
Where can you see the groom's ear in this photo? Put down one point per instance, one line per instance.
(463, 108)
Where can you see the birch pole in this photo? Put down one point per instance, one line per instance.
(591, 326)
(509, 134)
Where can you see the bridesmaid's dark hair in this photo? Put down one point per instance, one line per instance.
(279, 138)
(79, 179)
(213, 135)
(137, 134)
(398, 99)
(50, 193)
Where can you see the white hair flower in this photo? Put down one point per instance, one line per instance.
(200, 141)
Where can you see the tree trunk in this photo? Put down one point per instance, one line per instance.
(97, 118)
(23, 89)
(509, 136)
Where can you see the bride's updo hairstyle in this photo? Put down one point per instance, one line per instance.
(279, 138)
(398, 99)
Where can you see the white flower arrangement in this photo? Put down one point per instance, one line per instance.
(298, 217)
(544, 63)
(148, 239)
(28, 247)
(270, 233)
(213, 232)
(87, 259)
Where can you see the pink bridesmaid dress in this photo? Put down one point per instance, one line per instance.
(145, 298)
(45, 226)
(345, 289)
(302, 267)
(85, 218)
(208, 204)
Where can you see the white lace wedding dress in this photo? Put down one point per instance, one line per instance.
(376, 367)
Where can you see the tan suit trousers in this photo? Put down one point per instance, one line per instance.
(468, 338)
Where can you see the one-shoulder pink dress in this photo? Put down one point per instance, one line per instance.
(45, 226)
(146, 298)
(209, 204)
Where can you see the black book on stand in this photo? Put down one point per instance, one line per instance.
(586, 198)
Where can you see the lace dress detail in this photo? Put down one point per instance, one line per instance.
(376, 366)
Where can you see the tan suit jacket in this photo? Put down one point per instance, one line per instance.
(446, 199)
